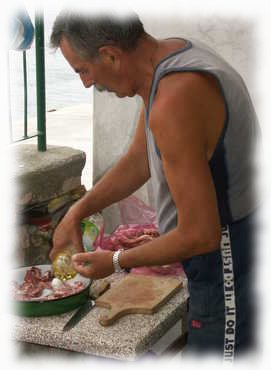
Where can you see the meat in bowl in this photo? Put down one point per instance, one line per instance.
(41, 285)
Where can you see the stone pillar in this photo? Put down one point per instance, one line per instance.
(48, 184)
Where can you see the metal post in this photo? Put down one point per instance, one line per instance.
(25, 94)
(9, 99)
(40, 81)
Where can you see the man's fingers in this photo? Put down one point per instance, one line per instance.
(84, 270)
(81, 263)
(81, 257)
(53, 254)
(73, 247)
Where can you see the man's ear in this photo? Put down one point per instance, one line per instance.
(111, 56)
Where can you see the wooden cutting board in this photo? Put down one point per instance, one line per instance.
(137, 294)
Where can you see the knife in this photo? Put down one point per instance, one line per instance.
(87, 306)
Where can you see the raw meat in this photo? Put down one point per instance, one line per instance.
(130, 236)
(35, 283)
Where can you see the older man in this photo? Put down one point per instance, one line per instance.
(195, 138)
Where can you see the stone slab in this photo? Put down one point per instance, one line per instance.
(128, 339)
(41, 176)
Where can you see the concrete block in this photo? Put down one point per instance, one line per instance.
(45, 175)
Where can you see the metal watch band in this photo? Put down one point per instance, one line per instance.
(116, 264)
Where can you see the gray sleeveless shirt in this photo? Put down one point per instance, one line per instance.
(232, 162)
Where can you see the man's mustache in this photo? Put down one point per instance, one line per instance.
(100, 88)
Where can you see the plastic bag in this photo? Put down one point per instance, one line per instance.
(139, 227)
(92, 231)
(134, 211)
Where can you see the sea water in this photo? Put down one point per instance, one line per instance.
(63, 85)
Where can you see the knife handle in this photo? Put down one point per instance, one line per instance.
(99, 289)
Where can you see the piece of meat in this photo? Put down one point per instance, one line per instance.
(133, 242)
(48, 276)
(67, 289)
(32, 275)
(130, 236)
(133, 235)
(35, 282)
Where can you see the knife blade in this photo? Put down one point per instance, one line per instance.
(87, 306)
(79, 314)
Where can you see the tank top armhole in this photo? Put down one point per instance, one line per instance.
(180, 70)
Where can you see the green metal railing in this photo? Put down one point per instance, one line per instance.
(25, 94)
(40, 87)
(40, 78)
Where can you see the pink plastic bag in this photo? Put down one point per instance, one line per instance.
(134, 211)
(139, 227)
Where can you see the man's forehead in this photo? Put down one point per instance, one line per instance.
(70, 54)
(65, 46)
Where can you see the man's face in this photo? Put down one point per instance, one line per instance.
(92, 73)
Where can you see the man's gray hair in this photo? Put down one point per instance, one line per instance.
(87, 33)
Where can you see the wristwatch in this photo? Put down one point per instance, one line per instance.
(116, 264)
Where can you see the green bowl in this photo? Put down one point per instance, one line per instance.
(41, 307)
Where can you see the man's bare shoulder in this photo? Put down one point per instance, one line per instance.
(180, 93)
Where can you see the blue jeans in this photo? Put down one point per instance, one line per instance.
(221, 314)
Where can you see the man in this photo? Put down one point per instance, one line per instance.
(195, 139)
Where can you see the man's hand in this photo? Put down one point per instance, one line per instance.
(94, 265)
(68, 233)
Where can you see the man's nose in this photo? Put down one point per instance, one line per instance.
(87, 82)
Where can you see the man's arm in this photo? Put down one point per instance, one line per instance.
(181, 122)
(126, 176)
(180, 119)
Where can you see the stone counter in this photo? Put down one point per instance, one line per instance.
(128, 339)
